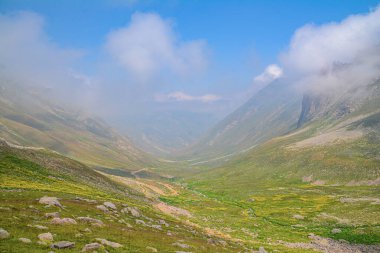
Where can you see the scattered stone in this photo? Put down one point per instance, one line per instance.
(63, 245)
(86, 200)
(262, 250)
(307, 179)
(4, 233)
(110, 205)
(91, 246)
(102, 208)
(181, 245)
(52, 215)
(157, 227)
(50, 201)
(319, 182)
(87, 230)
(25, 240)
(162, 222)
(298, 217)
(336, 231)
(151, 249)
(109, 243)
(329, 245)
(78, 235)
(37, 226)
(140, 222)
(45, 237)
(91, 221)
(134, 212)
(63, 221)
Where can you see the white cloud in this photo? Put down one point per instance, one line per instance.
(336, 54)
(271, 73)
(181, 96)
(148, 46)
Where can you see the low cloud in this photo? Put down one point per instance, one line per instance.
(181, 96)
(335, 55)
(148, 47)
(271, 73)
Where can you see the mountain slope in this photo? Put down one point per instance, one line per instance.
(85, 207)
(28, 119)
(271, 112)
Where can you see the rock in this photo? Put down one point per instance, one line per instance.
(91, 246)
(157, 227)
(50, 201)
(109, 243)
(45, 237)
(181, 245)
(63, 221)
(262, 250)
(91, 221)
(24, 240)
(86, 200)
(162, 222)
(110, 205)
(336, 231)
(63, 245)
(140, 222)
(132, 210)
(151, 249)
(78, 235)
(52, 215)
(307, 179)
(37, 226)
(102, 208)
(4, 233)
(298, 217)
(87, 230)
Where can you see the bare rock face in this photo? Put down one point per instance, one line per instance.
(50, 201)
(91, 247)
(4, 233)
(63, 245)
(63, 221)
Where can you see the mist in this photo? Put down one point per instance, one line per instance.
(145, 67)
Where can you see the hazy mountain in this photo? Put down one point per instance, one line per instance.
(271, 112)
(165, 132)
(26, 118)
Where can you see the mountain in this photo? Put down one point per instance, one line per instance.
(271, 112)
(28, 118)
(162, 133)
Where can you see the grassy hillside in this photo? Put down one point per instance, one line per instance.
(26, 175)
(28, 119)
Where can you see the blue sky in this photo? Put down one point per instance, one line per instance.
(240, 39)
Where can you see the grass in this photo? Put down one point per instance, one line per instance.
(27, 175)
